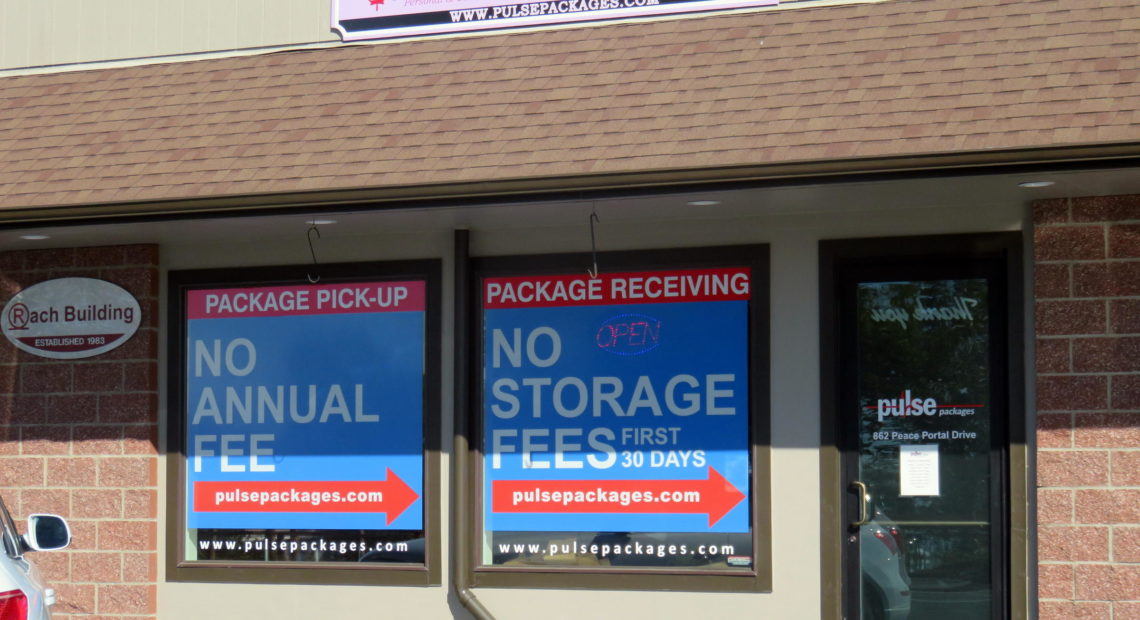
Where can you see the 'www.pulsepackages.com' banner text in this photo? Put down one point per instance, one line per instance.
(618, 403)
(304, 406)
(376, 19)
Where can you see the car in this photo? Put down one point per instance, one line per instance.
(886, 583)
(23, 594)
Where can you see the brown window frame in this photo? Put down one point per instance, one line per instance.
(316, 573)
(838, 258)
(469, 462)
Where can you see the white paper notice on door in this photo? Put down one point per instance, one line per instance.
(918, 469)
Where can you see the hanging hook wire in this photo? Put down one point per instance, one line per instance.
(593, 243)
(313, 253)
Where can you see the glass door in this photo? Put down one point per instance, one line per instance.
(922, 430)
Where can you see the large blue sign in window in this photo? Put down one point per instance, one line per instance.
(305, 412)
(618, 417)
(305, 406)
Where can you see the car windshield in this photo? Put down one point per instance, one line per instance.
(11, 542)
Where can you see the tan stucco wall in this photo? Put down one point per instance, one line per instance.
(56, 32)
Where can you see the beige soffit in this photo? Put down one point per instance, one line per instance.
(838, 83)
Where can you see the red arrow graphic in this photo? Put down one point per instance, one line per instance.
(391, 496)
(713, 496)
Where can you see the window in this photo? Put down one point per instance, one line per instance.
(304, 419)
(922, 399)
(622, 420)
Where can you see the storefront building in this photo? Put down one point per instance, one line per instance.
(816, 309)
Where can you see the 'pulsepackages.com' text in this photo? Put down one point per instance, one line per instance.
(535, 9)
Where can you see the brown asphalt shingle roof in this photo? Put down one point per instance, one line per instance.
(858, 81)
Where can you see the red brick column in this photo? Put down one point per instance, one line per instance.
(79, 438)
(1088, 404)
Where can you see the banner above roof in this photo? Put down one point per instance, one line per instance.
(378, 19)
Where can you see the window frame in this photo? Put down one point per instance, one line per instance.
(756, 579)
(324, 573)
(999, 257)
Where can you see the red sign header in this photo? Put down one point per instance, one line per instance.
(645, 287)
(348, 298)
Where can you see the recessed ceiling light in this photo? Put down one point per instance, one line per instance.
(320, 222)
(35, 237)
(1032, 184)
(703, 203)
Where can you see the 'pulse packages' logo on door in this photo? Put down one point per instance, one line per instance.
(907, 405)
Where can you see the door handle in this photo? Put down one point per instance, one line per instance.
(864, 498)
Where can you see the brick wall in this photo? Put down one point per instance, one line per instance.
(78, 438)
(1088, 402)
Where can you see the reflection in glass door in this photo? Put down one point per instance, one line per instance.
(922, 449)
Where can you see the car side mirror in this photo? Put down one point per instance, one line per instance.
(47, 533)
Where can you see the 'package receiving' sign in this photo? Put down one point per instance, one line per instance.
(617, 403)
(305, 406)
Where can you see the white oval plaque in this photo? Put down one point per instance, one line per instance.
(70, 318)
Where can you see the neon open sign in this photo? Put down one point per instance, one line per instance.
(629, 334)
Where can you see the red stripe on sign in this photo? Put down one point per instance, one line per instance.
(714, 496)
(71, 343)
(392, 496)
(351, 298)
(645, 287)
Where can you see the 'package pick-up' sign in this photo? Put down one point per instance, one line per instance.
(617, 403)
(305, 406)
